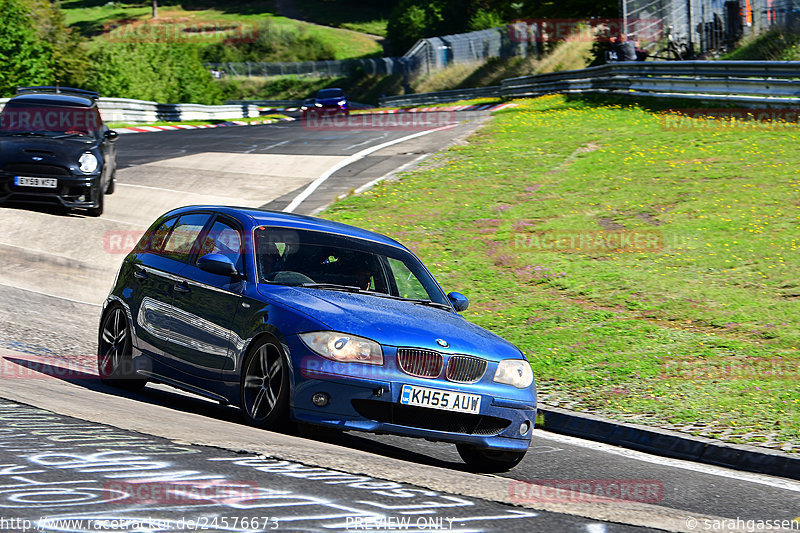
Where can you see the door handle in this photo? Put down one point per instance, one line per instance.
(181, 287)
(140, 274)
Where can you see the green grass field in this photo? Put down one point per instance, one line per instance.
(95, 18)
(647, 265)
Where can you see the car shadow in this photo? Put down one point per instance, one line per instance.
(164, 396)
(48, 209)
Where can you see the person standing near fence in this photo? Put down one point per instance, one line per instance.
(624, 49)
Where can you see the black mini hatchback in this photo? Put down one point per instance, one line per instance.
(55, 149)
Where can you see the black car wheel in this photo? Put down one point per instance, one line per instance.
(114, 351)
(488, 460)
(112, 181)
(265, 386)
(98, 210)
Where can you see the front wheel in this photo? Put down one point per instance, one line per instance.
(114, 352)
(97, 211)
(488, 461)
(265, 386)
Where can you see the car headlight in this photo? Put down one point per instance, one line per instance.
(516, 372)
(343, 347)
(317, 104)
(342, 102)
(88, 163)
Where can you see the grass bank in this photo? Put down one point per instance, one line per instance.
(646, 264)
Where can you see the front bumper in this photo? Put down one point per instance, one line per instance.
(72, 191)
(367, 398)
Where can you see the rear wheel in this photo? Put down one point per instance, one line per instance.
(265, 386)
(114, 352)
(488, 460)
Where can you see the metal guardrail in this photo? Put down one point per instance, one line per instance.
(752, 83)
(141, 111)
(441, 97)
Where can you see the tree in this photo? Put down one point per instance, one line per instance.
(25, 56)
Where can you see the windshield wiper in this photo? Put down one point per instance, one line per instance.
(334, 287)
(430, 303)
(352, 288)
(65, 135)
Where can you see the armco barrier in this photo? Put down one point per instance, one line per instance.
(753, 83)
(141, 111)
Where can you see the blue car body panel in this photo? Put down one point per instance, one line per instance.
(197, 339)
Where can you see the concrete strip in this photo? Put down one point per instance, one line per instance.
(671, 443)
(189, 428)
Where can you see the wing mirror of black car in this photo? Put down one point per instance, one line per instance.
(218, 264)
(111, 135)
(459, 301)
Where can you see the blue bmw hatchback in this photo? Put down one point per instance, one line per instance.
(297, 318)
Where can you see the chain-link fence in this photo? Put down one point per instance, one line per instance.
(425, 56)
(333, 68)
(704, 25)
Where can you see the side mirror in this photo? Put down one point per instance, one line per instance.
(217, 264)
(111, 135)
(459, 301)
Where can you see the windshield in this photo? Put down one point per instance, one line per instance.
(330, 93)
(49, 121)
(335, 262)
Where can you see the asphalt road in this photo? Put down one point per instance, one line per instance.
(58, 268)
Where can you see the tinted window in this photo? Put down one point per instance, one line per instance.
(330, 93)
(160, 234)
(298, 257)
(183, 236)
(223, 239)
(49, 120)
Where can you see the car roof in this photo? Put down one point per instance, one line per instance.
(67, 100)
(265, 217)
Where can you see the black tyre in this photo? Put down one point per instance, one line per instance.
(114, 351)
(98, 210)
(265, 386)
(112, 182)
(488, 461)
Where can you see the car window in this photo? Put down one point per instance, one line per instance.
(298, 257)
(330, 93)
(408, 286)
(49, 120)
(223, 239)
(159, 235)
(183, 236)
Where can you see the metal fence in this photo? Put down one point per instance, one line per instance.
(745, 83)
(705, 25)
(424, 57)
(332, 68)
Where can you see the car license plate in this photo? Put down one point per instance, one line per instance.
(441, 399)
(27, 181)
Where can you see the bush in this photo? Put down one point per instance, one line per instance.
(25, 56)
(272, 43)
(152, 71)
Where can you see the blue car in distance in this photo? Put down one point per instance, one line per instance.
(295, 318)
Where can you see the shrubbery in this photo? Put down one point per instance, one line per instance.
(152, 71)
(272, 43)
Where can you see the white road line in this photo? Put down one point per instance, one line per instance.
(352, 159)
(266, 147)
(761, 479)
(50, 295)
(365, 142)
